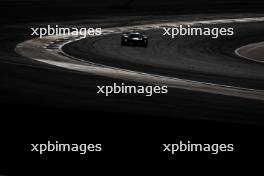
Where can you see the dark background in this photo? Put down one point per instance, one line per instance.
(21, 10)
(131, 139)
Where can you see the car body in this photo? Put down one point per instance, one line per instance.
(134, 39)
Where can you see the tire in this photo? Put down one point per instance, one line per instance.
(123, 43)
(145, 44)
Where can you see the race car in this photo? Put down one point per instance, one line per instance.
(134, 39)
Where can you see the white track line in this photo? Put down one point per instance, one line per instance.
(240, 51)
(36, 49)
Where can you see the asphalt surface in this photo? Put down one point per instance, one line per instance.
(41, 102)
(195, 58)
(188, 57)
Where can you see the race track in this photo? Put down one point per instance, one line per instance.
(202, 66)
(188, 57)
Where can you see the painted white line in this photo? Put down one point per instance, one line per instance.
(34, 49)
(244, 51)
